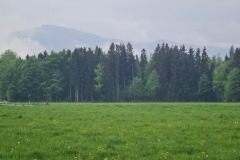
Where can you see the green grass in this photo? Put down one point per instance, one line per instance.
(121, 131)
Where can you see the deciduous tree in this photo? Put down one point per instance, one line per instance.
(98, 79)
(232, 86)
(152, 85)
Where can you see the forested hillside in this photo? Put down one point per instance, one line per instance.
(169, 74)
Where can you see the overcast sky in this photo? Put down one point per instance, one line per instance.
(212, 22)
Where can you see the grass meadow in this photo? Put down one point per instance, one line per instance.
(108, 131)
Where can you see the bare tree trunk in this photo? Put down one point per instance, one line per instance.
(91, 97)
(113, 91)
(117, 85)
(82, 92)
(70, 91)
(134, 94)
(118, 89)
(76, 93)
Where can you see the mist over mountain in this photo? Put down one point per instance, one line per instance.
(56, 38)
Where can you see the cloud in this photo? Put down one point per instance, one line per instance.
(192, 37)
(21, 46)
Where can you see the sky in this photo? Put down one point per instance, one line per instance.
(201, 22)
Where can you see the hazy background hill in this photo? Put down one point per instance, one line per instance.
(56, 38)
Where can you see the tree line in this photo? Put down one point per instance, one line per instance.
(86, 75)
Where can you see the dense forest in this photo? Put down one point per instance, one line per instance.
(86, 75)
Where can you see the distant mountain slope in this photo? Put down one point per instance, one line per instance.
(57, 38)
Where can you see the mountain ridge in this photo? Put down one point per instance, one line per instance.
(56, 38)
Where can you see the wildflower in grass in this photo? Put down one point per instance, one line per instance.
(101, 149)
(90, 156)
(202, 142)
